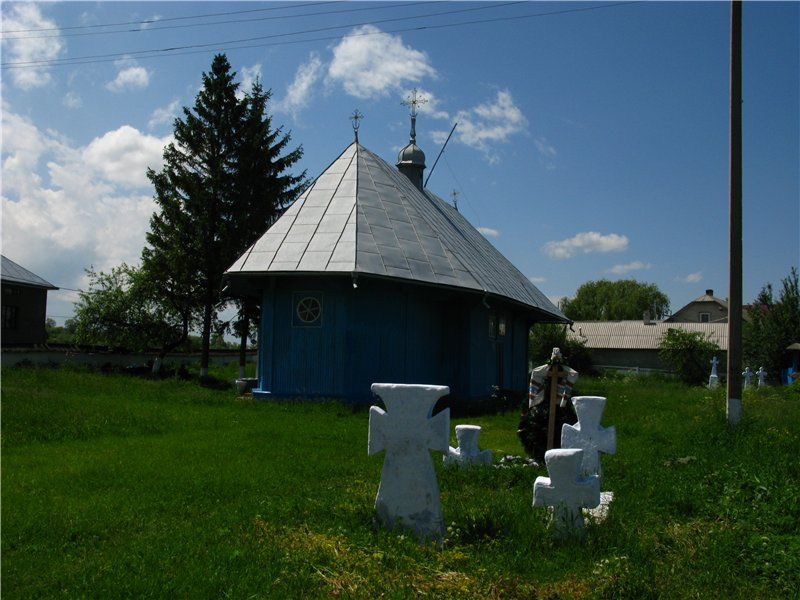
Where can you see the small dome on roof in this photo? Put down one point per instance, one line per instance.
(411, 155)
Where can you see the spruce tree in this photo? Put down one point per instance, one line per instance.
(222, 177)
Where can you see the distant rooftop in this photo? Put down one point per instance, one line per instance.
(14, 273)
(637, 335)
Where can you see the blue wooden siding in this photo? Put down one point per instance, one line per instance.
(385, 331)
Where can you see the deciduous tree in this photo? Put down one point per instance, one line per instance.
(626, 299)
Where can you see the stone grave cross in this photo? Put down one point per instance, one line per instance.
(566, 491)
(468, 452)
(587, 433)
(713, 379)
(748, 374)
(408, 495)
(762, 376)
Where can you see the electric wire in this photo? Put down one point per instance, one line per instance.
(185, 17)
(461, 191)
(193, 49)
(250, 20)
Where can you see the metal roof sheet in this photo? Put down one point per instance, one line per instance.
(12, 272)
(636, 335)
(363, 216)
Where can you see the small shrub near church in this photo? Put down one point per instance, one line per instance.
(688, 354)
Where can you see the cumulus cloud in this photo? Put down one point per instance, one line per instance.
(72, 100)
(586, 243)
(487, 125)
(129, 77)
(369, 63)
(537, 280)
(691, 277)
(636, 265)
(298, 93)
(63, 210)
(165, 114)
(122, 156)
(22, 47)
(489, 232)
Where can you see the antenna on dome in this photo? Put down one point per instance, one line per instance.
(356, 118)
(440, 154)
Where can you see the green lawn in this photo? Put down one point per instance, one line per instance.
(119, 487)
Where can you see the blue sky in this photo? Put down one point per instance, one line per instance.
(591, 143)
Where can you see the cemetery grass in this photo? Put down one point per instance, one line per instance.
(114, 486)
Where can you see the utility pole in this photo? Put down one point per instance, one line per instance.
(734, 398)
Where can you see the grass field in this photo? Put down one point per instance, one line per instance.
(118, 487)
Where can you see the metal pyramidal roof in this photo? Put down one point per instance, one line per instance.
(14, 273)
(362, 216)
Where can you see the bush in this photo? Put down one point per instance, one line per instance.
(532, 430)
(688, 354)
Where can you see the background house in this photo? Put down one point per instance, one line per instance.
(23, 304)
(368, 277)
(705, 309)
(633, 345)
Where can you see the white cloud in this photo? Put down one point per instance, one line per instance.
(489, 232)
(165, 114)
(298, 93)
(691, 277)
(537, 280)
(488, 124)
(586, 242)
(129, 77)
(249, 77)
(547, 153)
(369, 63)
(122, 156)
(22, 47)
(72, 100)
(636, 265)
(148, 22)
(63, 210)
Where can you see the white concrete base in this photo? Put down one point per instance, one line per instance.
(713, 382)
(599, 513)
(734, 410)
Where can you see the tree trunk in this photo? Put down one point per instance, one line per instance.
(245, 329)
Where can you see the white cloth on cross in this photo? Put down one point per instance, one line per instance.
(588, 435)
(567, 491)
(538, 381)
(408, 495)
(467, 452)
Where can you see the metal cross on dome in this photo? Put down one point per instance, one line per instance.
(356, 118)
(414, 100)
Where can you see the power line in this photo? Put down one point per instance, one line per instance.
(250, 20)
(149, 21)
(136, 53)
(161, 53)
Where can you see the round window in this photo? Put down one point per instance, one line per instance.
(309, 309)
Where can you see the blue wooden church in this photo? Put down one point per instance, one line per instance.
(369, 277)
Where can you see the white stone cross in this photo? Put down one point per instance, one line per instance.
(713, 379)
(587, 433)
(408, 495)
(468, 452)
(747, 373)
(762, 376)
(567, 491)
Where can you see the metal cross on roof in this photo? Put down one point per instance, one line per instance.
(414, 100)
(356, 118)
(454, 195)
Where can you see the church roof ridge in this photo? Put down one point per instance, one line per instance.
(362, 216)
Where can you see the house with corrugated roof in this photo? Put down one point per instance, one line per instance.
(634, 345)
(705, 309)
(23, 305)
(370, 277)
